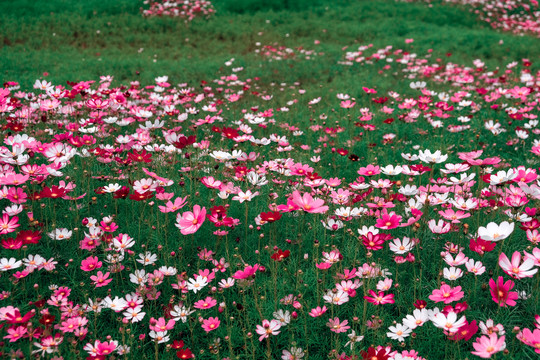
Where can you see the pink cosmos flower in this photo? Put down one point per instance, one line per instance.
(8, 225)
(318, 311)
(161, 324)
(206, 303)
(101, 279)
(369, 170)
(514, 269)
(531, 338)
(268, 328)
(307, 203)
(15, 333)
(172, 207)
(347, 104)
(210, 324)
(487, 346)
(189, 222)
(441, 227)
(535, 256)
(447, 294)
(336, 326)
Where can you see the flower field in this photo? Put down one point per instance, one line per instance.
(263, 191)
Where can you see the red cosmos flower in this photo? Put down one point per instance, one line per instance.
(15, 126)
(342, 151)
(29, 237)
(481, 246)
(177, 344)
(280, 255)
(270, 216)
(183, 141)
(420, 304)
(142, 156)
(230, 133)
(185, 354)
(121, 193)
(140, 197)
(53, 193)
(373, 354)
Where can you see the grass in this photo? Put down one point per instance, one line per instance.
(76, 41)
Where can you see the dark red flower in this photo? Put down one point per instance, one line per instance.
(373, 354)
(142, 156)
(177, 344)
(183, 141)
(140, 197)
(184, 354)
(53, 192)
(47, 320)
(280, 255)
(121, 193)
(29, 237)
(230, 133)
(270, 216)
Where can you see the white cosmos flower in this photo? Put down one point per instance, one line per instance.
(494, 232)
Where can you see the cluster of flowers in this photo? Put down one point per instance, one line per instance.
(185, 9)
(247, 179)
(518, 16)
(280, 52)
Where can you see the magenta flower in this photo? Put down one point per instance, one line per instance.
(388, 221)
(379, 298)
(247, 272)
(90, 263)
(500, 292)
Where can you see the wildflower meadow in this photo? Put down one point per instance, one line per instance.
(242, 179)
